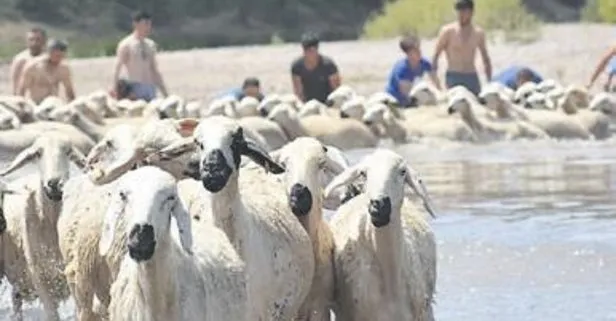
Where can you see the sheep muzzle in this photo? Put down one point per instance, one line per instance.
(380, 211)
(300, 200)
(215, 171)
(141, 243)
(53, 189)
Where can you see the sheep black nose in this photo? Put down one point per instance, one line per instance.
(162, 115)
(367, 122)
(215, 171)
(344, 115)
(263, 112)
(482, 101)
(413, 102)
(451, 110)
(141, 243)
(380, 211)
(2, 221)
(54, 189)
(330, 102)
(300, 200)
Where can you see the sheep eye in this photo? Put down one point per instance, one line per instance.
(123, 196)
(403, 172)
(198, 143)
(362, 174)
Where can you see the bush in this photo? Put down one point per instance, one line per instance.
(600, 11)
(425, 17)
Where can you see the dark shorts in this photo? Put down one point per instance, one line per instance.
(468, 80)
(126, 88)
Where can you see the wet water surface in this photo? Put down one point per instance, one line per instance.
(525, 230)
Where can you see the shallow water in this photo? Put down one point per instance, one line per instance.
(525, 230)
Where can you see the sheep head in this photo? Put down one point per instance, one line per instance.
(148, 199)
(353, 108)
(220, 142)
(341, 94)
(385, 174)
(270, 101)
(459, 103)
(312, 107)
(547, 85)
(524, 91)
(53, 151)
(539, 101)
(307, 166)
(424, 94)
(605, 103)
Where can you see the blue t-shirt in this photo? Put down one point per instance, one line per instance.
(508, 77)
(611, 67)
(402, 70)
(238, 93)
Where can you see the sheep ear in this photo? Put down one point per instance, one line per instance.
(344, 179)
(96, 153)
(175, 150)
(186, 126)
(117, 168)
(21, 159)
(413, 179)
(76, 157)
(253, 151)
(109, 224)
(335, 160)
(183, 222)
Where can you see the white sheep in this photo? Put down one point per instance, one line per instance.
(43, 110)
(596, 122)
(272, 100)
(252, 211)
(605, 102)
(341, 94)
(548, 85)
(223, 106)
(32, 260)
(159, 279)
(488, 130)
(8, 118)
(342, 133)
(313, 107)
(425, 93)
(23, 107)
(385, 259)
(305, 161)
(130, 108)
(524, 91)
(248, 106)
(501, 103)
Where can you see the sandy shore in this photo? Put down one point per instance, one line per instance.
(566, 52)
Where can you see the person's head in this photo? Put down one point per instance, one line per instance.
(36, 39)
(524, 75)
(142, 23)
(56, 50)
(310, 45)
(465, 9)
(411, 46)
(251, 87)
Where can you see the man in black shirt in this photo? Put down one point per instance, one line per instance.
(314, 76)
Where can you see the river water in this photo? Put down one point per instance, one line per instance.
(525, 230)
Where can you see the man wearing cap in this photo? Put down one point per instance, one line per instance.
(36, 39)
(250, 88)
(137, 53)
(43, 75)
(460, 41)
(314, 75)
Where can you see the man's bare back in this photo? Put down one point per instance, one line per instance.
(138, 57)
(41, 79)
(461, 45)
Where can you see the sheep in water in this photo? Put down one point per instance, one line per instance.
(159, 279)
(31, 256)
(249, 208)
(304, 160)
(596, 122)
(385, 257)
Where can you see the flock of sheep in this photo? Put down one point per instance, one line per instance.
(191, 211)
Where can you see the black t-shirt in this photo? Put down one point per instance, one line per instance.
(315, 82)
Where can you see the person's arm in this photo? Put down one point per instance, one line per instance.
(441, 44)
(404, 84)
(25, 81)
(67, 82)
(602, 64)
(120, 60)
(158, 78)
(333, 76)
(485, 56)
(17, 68)
(298, 88)
(432, 74)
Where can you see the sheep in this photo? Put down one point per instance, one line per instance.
(88, 108)
(341, 94)
(277, 250)
(43, 110)
(425, 94)
(314, 107)
(248, 106)
(159, 279)
(342, 133)
(130, 108)
(192, 109)
(270, 101)
(501, 103)
(547, 85)
(304, 160)
(32, 260)
(226, 106)
(8, 118)
(102, 103)
(13, 141)
(597, 123)
(23, 107)
(385, 255)
(486, 129)
(523, 92)
(605, 102)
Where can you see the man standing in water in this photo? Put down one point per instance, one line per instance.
(314, 75)
(137, 53)
(35, 41)
(43, 75)
(460, 40)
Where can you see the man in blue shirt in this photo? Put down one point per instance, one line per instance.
(515, 76)
(407, 69)
(251, 87)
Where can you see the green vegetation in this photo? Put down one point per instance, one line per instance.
(600, 11)
(424, 17)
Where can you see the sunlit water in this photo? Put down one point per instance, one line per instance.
(526, 230)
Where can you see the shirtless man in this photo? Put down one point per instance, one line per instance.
(607, 60)
(137, 53)
(35, 41)
(42, 75)
(460, 40)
